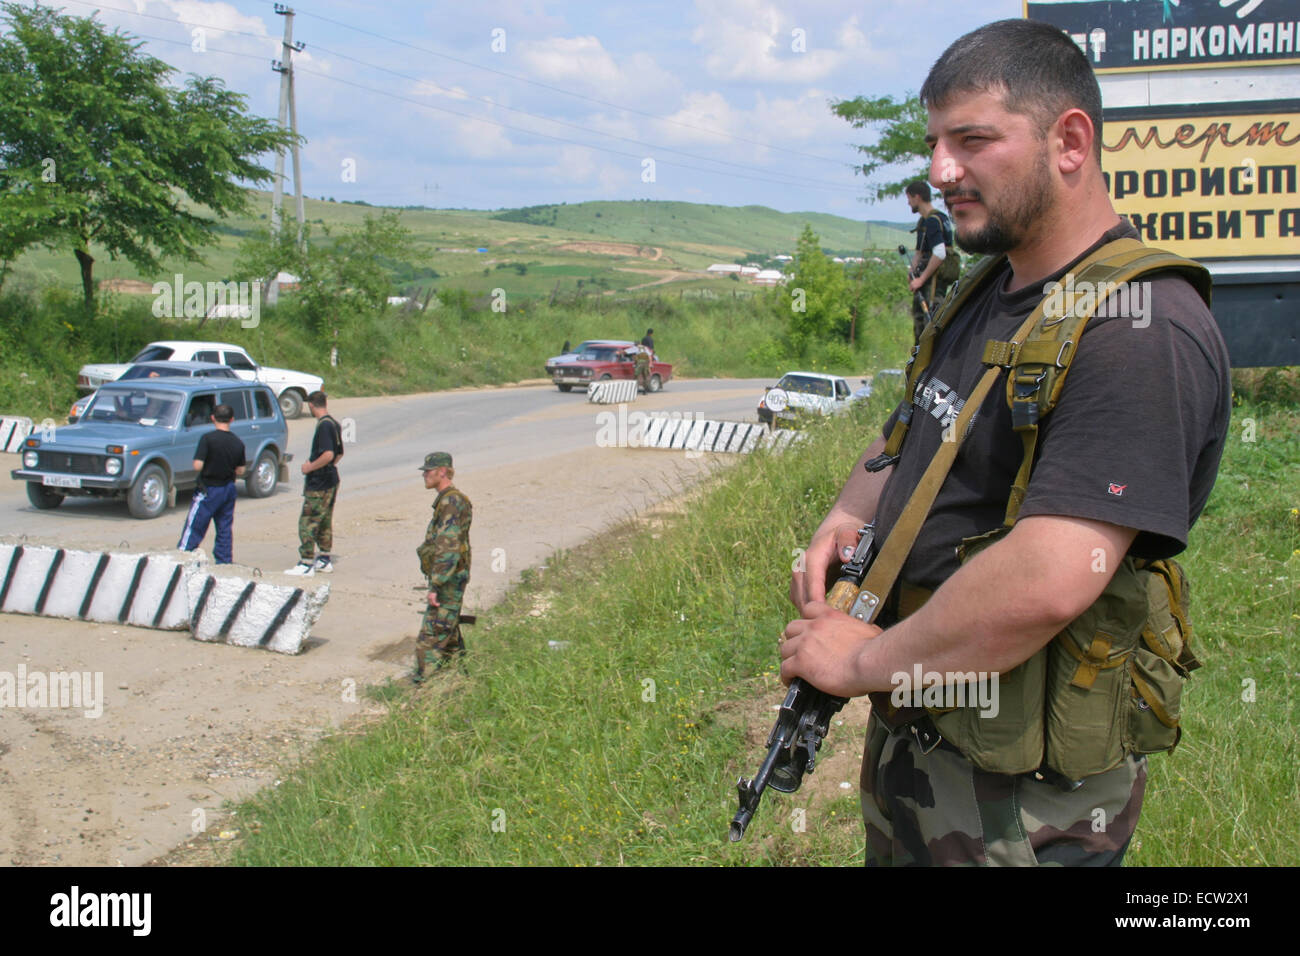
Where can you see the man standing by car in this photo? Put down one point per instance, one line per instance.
(219, 459)
(936, 264)
(444, 561)
(315, 524)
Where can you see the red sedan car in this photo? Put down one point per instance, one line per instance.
(599, 360)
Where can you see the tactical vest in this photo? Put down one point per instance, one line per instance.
(1110, 683)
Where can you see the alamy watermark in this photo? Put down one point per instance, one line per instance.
(624, 429)
(56, 689)
(948, 689)
(214, 300)
(1122, 300)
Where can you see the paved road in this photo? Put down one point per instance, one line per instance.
(186, 725)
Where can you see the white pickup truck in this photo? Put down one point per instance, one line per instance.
(291, 388)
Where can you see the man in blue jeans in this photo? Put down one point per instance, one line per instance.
(219, 459)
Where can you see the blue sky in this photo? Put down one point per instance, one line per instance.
(729, 98)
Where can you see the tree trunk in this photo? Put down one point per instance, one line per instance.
(87, 262)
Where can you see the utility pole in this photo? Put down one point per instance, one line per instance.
(289, 111)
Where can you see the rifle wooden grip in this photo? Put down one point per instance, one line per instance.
(842, 595)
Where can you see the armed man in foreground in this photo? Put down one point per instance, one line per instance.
(1023, 518)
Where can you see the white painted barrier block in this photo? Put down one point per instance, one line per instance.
(724, 436)
(665, 439)
(146, 590)
(752, 439)
(653, 428)
(226, 607)
(612, 392)
(13, 431)
(710, 435)
(696, 435)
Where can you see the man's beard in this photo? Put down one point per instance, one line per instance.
(1006, 228)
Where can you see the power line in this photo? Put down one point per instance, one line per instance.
(572, 142)
(580, 96)
(790, 179)
(559, 122)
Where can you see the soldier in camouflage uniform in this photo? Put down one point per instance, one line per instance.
(1125, 466)
(444, 561)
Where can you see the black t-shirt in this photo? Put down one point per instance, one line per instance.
(1135, 439)
(929, 233)
(327, 438)
(221, 453)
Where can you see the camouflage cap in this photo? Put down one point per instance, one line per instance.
(436, 459)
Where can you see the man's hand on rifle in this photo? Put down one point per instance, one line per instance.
(829, 548)
(825, 648)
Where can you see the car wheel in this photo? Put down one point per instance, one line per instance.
(565, 388)
(43, 497)
(261, 481)
(605, 378)
(148, 496)
(656, 383)
(291, 403)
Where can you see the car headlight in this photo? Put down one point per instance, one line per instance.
(30, 459)
(113, 466)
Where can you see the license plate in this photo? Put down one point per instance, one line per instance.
(61, 481)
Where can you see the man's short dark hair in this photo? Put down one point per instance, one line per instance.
(919, 189)
(317, 399)
(1036, 67)
(224, 414)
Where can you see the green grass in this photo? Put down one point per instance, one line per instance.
(578, 762)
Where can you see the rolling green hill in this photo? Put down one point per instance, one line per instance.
(611, 246)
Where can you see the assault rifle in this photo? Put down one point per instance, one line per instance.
(806, 712)
(917, 296)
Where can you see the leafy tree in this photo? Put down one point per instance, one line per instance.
(126, 160)
(338, 278)
(901, 141)
(816, 297)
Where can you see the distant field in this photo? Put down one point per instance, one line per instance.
(676, 237)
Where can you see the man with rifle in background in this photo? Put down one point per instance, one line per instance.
(936, 263)
(1036, 560)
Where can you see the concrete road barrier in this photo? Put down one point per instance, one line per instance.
(146, 590)
(228, 607)
(612, 392)
(13, 430)
(702, 434)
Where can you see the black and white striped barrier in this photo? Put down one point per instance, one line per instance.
(702, 434)
(612, 392)
(13, 431)
(226, 608)
(146, 590)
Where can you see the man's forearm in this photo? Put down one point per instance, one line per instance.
(861, 492)
(325, 458)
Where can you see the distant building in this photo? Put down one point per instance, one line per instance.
(768, 277)
(725, 268)
(783, 258)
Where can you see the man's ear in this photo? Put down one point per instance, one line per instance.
(1073, 134)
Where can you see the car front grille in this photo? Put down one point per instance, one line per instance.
(70, 463)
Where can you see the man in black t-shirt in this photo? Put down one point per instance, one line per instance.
(219, 459)
(315, 524)
(1124, 465)
(930, 276)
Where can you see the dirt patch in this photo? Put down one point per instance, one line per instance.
(128, 286)
(653, 253)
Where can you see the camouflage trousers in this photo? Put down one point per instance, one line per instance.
(316, 523)
(439, 640)
(939, 809)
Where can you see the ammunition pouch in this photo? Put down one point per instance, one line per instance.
(1108, 685)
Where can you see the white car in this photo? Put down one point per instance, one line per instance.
(291, 388)
(801, 394)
